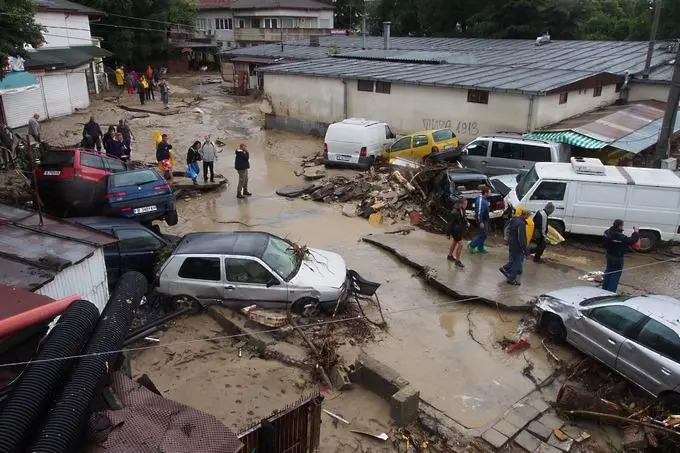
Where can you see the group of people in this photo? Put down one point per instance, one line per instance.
(116, 142)
(144, 84)
(205, 152)
(524, 229)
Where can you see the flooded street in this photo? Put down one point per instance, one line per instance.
(449, 350)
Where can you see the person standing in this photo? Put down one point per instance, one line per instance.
(616, 243)
(116, 147)
(130, 82)
(141, 89)
(457, 228)
(517, 247)
(165, 92)
(92, 134)
(163, 157)
(108, 137)
(193, 157)
(6, 145)
(209, 156)
(242, 165)
(482, 217)
(152, 89)
(149, 72)
(124, 129)
(541, 230)
(34, 127)
(120, 78)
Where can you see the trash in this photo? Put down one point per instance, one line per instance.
(336, 417)
(269, 318)
(414, 216)
(197, 110)
(672, 420)
(595, 276)
(375, 218)
(517, 345)
(560, 435)
(575, 433)
(152, 339)
(381, 436)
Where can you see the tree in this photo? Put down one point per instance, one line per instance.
(136, 30)
(348, 14)
(17, 28)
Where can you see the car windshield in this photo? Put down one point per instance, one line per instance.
(603, 300)
(133, 178)
(525, 183)
(279, 255)
(441, 135)
(468, 181)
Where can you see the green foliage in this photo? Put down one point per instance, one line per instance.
(148, 21)
(348, 14)
(16, 29)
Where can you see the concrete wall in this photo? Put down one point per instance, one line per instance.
(550, 111)
(224, 36)
(312, 99)
(644, 91)
(64, 30)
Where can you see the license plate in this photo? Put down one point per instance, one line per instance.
(145, 209)
(342, 158)
(52, 172)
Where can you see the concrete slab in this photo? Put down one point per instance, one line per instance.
(506, 428)
(527, 441)
(496, 439)
(404, 406)
(545, 448)
(539, 430)
(562, 445)
(480, 281)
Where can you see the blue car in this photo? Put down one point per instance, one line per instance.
(141, 195)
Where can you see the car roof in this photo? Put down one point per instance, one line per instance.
(429, 131)
(665, 309)
(515, 138)
(651, 177)
(246, 243)
(107, 222)
(137, 170)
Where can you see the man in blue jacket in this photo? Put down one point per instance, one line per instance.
(482, 215)
(616, 244)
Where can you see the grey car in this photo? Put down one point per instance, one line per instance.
(636, 336)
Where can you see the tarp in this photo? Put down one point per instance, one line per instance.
(568, 137)
(16, 82)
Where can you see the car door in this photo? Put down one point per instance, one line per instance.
(137, 248)
(651, 358)
(601, 331)
(505, 158)
(476, 154)
(202, 277)
(554, 192)
(421, 147)
(250, 282)
(400, 148)
(112, 261)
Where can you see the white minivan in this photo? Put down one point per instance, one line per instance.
(356, 142)
(588, 196)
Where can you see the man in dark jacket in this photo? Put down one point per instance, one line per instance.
(6, 144)
(242, 164)
(541, 230)
(616, 243)
(92, 133)
(517, 247)
(482, 217)
(124, 128)
(456, 230)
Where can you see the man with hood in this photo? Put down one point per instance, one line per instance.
(541, 230)
(517, 246)
(92, 133)
(616, 244)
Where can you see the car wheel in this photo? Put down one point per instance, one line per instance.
(553, 327)
(648, 241)
(307, 306)
(558, 225)
(171, 218)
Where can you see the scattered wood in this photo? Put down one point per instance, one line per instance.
(571, 397)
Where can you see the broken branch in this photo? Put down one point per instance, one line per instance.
(623, 420)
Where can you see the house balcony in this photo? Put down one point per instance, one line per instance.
(274, 34)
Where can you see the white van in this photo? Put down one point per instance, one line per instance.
(588, 196)
(356, 142)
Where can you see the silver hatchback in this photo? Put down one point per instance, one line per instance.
(636, 336)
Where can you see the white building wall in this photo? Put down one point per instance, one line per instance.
(86, 279)
(62, 30)
(550, 111)
(644, 91)
(223, 35)
(306, 98)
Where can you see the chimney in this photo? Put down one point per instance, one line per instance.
(386, 34)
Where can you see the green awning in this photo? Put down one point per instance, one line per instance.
(70, 57)
(568, 137)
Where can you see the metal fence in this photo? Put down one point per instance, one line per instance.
(295, 429)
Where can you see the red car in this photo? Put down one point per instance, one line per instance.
(72, 181)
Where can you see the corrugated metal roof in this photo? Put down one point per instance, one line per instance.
(274, 51)
(620, 123)
(65, 5)
(644, 137)
(32, 255)
(495, 78)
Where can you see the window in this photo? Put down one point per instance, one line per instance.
(133, 178)
(270, 23)
(201, 24)
(660, 339)
(506, 150)
(549, 190)
(536, 153)
(597, 92)
(441, 135)
(287, 22)
(564, 97)
(255, 23)
(137, 240)
(324, 23)
(58, 159)
(279, 256)
(388, 133)
(88, 160)
(478, 96)
(401, 144)
(619, 87)
(223, 24)
(218, 24)
(241, 23)
(114, 165)
(383, 87)
(247, 271)
(365, 85)
(419, 140)
(618, 318)
(230, 24)
(201, 269)
(478, 148)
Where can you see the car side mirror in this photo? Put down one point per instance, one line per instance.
(272, 282)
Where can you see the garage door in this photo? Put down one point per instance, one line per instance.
(77, 87)
(20, 107)
(57, 96)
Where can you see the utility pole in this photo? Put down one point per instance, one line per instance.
(652, 38)
(668, 125)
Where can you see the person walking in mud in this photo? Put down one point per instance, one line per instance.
(616, 244)
(165, 92)
(518, 247)
(242, 165)
(92, 134)
(124, 129)
(208, 153)
(541, 231)
(482, 217)
(142, 85)
(193, 158)
(120, 78)
(34, 127)
(163, 157)
(456, 230)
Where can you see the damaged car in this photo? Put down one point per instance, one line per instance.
(244, 268)
(636, 336)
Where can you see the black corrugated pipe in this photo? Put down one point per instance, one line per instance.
(32, 394)
(66, 421)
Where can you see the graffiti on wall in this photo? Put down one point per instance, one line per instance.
(459, 127)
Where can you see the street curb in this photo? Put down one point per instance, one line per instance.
(232, 327)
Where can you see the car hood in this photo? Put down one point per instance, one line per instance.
(576, 295)
(321, 268)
